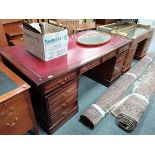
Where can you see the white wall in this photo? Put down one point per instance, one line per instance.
(151, 22)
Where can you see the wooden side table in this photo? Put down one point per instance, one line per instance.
(10, 32)
(16, 113)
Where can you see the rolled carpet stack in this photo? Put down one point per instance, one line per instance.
(96, 112)
(129, 112)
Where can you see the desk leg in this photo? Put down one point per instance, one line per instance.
(129, 58)
(142, 49)
(29, 104)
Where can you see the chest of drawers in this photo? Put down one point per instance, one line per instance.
(16, 113)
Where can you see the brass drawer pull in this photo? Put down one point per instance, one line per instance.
(64, 94)
(13, 123)
(89, 67)
(3, 114)
(63, 104)
(7, 114)
(64, 113)
(63, 82)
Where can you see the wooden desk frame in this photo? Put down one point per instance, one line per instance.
(55, 100)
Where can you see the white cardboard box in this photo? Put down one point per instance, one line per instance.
(51, 44)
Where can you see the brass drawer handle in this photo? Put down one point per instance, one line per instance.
(93, 65)
(63, 82)
(58, 102)
(64, 113)
(64, 94)
(63, 104)
(89, 67)
(13, 123)
(3, 115)
(7, 114)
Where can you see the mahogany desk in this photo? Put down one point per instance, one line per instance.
(54, 84)
(140, 35)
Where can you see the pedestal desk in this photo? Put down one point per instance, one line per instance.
(140, 35)
(54, 84)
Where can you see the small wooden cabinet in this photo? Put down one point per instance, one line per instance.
(11, 32)
(16, 113)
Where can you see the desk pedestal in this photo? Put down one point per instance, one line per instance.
(107, 72)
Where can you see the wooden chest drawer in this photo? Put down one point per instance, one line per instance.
(90, 66)
(14, 116)
(124, 48)
(59, 82)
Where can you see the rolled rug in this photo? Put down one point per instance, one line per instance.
(130, 111)
(96, 112)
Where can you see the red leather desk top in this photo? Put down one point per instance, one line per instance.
(38, 71)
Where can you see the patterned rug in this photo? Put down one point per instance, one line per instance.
(130, 111)
(96, 112)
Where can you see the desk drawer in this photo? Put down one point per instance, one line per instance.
(60, 115)
(124, 48)
(110, 55)
(90, 66)
(55, 99)
(15, 116)
(62, 103)
(59, 82)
